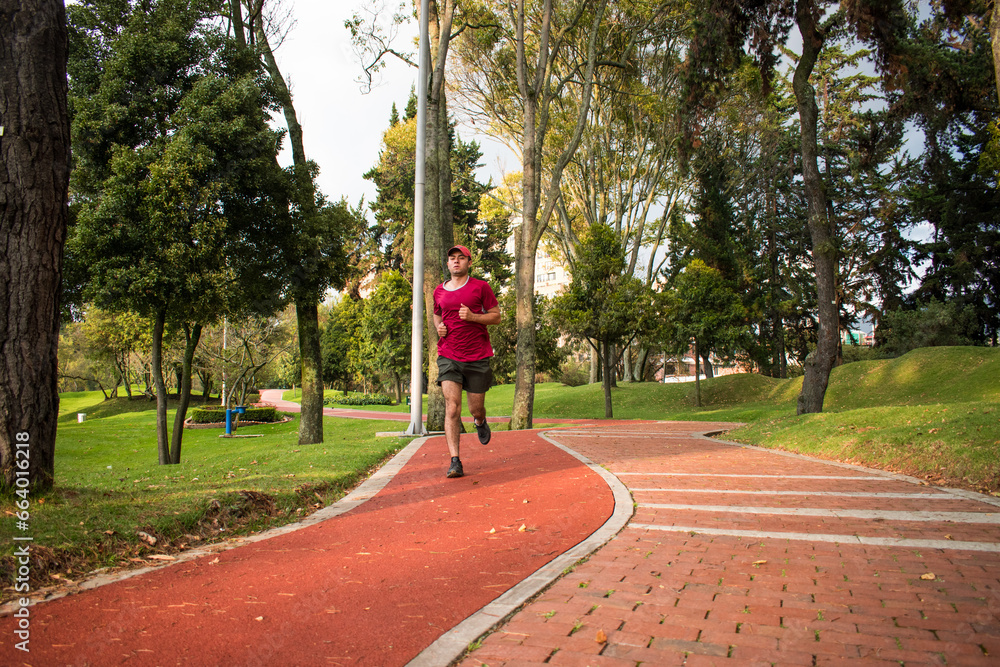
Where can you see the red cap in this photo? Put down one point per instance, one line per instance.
(465, 251)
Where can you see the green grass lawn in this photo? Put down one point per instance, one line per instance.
(933, 413)
(109, 486)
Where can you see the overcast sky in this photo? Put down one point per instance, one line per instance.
(342, 127)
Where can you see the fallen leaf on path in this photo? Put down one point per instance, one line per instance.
(162, 557)
(213, 562)
(259, 618)
(522, 528)
(928, 577)
(492, 530)
(759, 562)
(601, 637)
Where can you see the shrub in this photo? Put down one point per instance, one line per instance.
(932, 324)
(854, 353)
(574, 373)
(358, 399)
(216, 414)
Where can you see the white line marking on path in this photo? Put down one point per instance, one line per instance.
(954, 517)
(712, 474)
(839, 539)
(630, 434)
(838, 494)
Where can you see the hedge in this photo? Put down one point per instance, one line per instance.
(356, 399)
(215, 414)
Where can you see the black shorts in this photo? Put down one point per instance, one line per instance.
(474, 376)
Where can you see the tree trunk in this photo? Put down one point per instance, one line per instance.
(191, 337)
(697, 375)
(127, 378)
(162, 442)
(706, 363)
(608, 375)
(995, 44)
(534, 84)
(820, 363)
(524, 298)
(433, 254)
(438, 231)
(641, 360)
(34, 180)
(595, 370)
(311, 357)
(777, 322)
(311, 415)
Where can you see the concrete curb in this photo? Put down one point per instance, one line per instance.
(450, 646)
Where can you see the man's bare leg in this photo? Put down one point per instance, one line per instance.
(452, 414)
(477, 406)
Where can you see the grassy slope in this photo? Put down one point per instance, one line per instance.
(933, 413)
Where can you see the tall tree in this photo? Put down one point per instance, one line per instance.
(625, 172)
(445, 20)
(517, 66)
(947, 90)
(173, 150)
(703, 310)
(385, 330)
(34, 179)
(389, 239)
(311, 245)
(764, 24)
(603, 304)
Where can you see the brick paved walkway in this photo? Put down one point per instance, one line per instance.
(742, 556)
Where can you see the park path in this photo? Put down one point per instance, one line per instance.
(731, 555)
(743, 556)
(375, 581)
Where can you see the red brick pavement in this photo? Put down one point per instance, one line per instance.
(758, 597)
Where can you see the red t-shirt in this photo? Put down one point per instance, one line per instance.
(465, 341)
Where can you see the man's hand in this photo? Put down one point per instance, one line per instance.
(442, 330)
(464, 312)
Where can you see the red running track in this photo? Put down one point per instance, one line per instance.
(373, 586)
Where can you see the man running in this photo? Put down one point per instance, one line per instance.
(463, 307)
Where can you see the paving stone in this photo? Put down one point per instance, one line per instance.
(748, 600)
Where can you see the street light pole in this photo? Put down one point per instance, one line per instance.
(416, 426)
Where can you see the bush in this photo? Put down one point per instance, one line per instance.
(932, 324)
(216, 415)
(852, 353)
(574, 373)
(359, 399)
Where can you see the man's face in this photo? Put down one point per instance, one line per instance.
(458, 263)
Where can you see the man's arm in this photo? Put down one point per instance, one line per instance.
(439, 325)
(491, 316)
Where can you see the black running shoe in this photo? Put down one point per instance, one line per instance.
(456, 467)
(483, 430)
